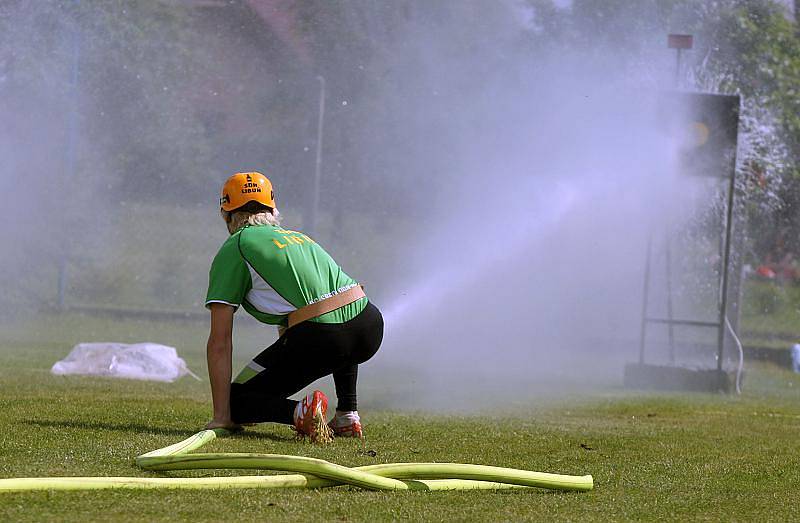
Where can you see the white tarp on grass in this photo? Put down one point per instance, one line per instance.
(139, 361)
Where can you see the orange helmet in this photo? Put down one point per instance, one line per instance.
(246, 187)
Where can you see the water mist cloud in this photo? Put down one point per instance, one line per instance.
(527, 271)
(507, 188)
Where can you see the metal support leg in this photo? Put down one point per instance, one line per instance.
(645, 297)
(726, 261)
(670, 328)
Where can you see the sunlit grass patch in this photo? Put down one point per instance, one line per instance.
(653, 456)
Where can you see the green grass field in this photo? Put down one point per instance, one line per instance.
(653, 456)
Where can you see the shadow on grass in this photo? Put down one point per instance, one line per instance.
(147, 429)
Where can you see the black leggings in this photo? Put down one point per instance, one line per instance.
(305, 353)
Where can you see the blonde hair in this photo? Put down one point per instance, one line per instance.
(240, 219)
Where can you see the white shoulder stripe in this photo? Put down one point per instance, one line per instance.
(264, 298)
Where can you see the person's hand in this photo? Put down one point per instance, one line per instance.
(226, 424)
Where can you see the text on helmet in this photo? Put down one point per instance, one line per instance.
(251, 187)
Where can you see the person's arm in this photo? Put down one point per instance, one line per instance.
(218, 353)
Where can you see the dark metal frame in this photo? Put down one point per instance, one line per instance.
(725, 263)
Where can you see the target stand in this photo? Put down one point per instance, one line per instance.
(713, 120)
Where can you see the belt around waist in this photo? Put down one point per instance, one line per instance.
(327, 305)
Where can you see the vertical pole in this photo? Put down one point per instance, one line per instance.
(722, 284)
(645, 297)
(668, 236)
(670, 326)
(311, 227)
(726, 261)
(70, 156)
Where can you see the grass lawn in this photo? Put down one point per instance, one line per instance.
(653, 456)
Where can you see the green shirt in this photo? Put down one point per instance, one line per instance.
(271, 271)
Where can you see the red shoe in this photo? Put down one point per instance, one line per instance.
(347, 426)
(311, 419)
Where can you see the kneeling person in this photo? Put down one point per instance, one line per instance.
(326, 323)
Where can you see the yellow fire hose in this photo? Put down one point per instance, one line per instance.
(311, 473)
